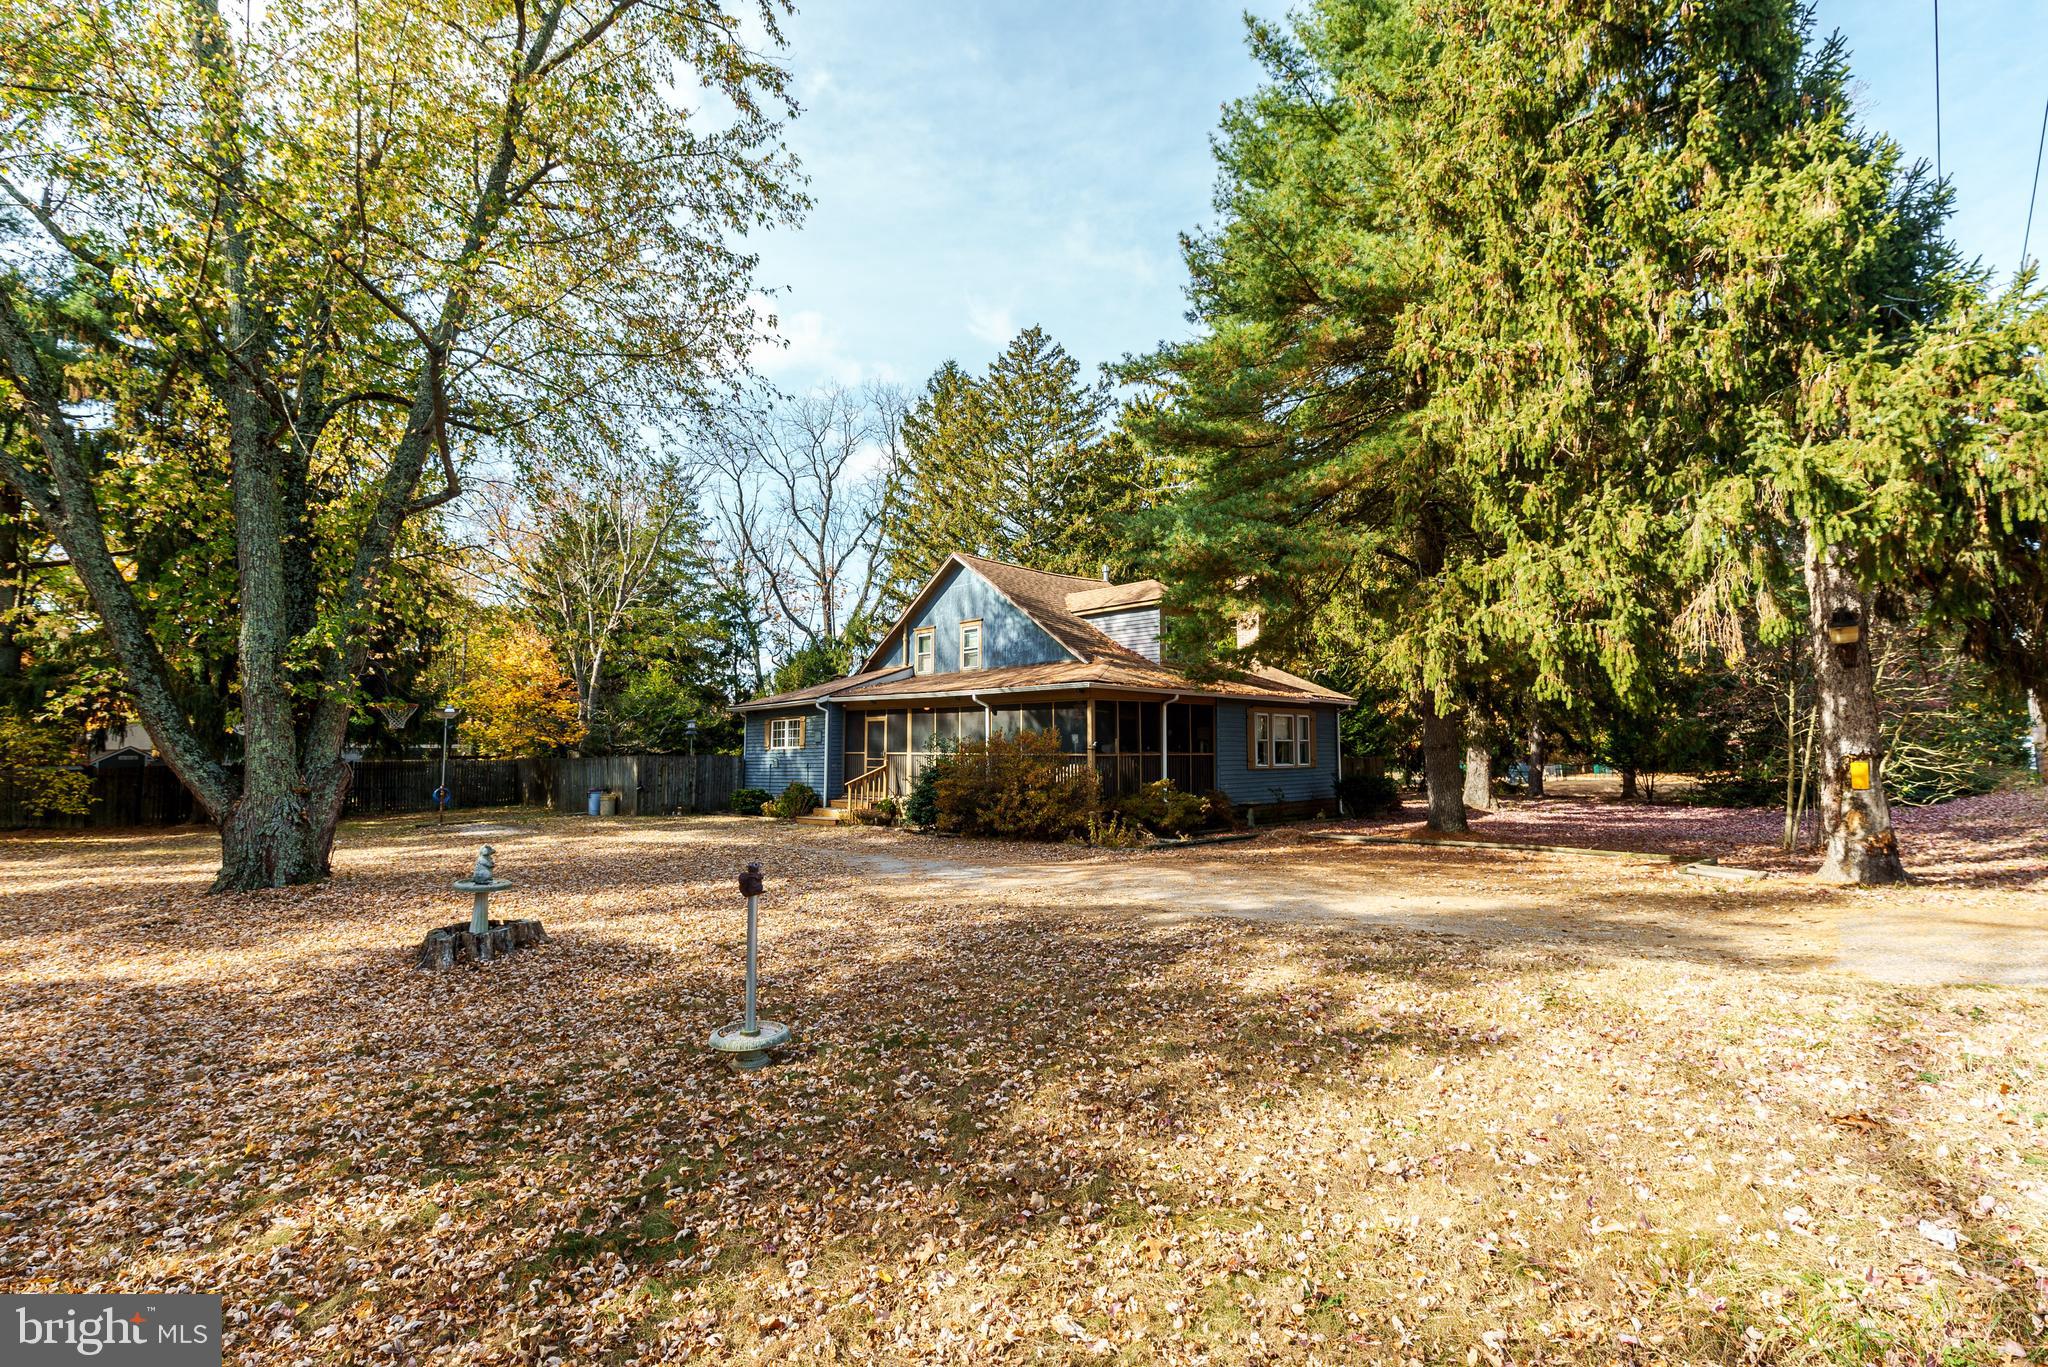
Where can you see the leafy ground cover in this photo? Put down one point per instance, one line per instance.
(1997, 839)
(1015, 1127)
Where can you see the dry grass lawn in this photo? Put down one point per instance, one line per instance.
(1014, 1128)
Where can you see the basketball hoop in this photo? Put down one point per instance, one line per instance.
(395, 714)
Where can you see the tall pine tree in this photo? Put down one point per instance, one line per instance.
(1019, 465)
(1310, 499)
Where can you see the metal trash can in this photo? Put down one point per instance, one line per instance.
(608, 805)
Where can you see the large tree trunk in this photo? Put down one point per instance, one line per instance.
(1478, 777)
(280, 835)
(1539, 755)
(1629, 791)
(1856, 823)
(1440, 764)
(2037, 713)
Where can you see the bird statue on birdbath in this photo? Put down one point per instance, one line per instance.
(482, 939)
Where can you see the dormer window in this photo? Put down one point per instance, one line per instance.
(922, 649)
(970, 645)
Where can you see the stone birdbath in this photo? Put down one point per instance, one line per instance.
(483, 939)
(745, 1043)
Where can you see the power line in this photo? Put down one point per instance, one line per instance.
(1937, 89)
(2039, 143)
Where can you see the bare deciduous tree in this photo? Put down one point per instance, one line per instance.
(584, 545)
(807, 484)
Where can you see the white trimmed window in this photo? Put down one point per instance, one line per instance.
(786, 733)
(1281, 740)
(970, 645)
(923, 649)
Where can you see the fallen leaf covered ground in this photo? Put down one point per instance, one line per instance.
(1014, 1126)
(1996, 839)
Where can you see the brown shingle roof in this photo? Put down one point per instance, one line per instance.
(1265, 685)
(1043, 598)
(820, 691)
(1053, 601)
(1109, 597)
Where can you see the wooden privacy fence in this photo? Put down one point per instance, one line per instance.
(138, 796)
(650, 785)
(647, 785)
(407, 785)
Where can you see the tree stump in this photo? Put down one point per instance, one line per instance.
(456, 944)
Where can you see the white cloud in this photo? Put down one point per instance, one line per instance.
(1085, 250)
(989, 323)
(803, 346)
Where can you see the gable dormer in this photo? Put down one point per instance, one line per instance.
(1126, 613)
(967, 618)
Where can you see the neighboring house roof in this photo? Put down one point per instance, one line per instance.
(1055, 602)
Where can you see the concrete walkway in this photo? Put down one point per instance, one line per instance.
(1905, 935)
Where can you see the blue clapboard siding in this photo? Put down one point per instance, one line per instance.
(822, 767)
(1133, 629)
(1244, 784)
(1008, 637)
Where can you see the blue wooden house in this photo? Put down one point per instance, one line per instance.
(990, 647)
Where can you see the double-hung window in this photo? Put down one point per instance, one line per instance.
(786, 733)
(1282, 740)
(922, 649)
(970, 645)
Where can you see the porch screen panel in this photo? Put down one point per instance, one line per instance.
(899, 753)
(1071, 721)
(1190, 747)
(856, 748)
(973, 725)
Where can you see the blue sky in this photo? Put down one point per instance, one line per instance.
(981, 166)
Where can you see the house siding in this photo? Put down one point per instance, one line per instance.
(1133, 629)
(1008, 637)
(817, 764)
(1246, 785)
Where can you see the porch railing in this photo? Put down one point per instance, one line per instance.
(866, 790)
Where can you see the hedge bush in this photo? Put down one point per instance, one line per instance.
(798, 799)
(750, 801)
(1164, 809)
(881, 812)
(1021, 785)
(1368, 794)
(921, 807)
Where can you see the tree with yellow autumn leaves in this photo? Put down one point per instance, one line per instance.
(515, 699)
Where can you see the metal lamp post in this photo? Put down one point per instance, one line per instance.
(441, 794)
(746, 1041)
(690, 730)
